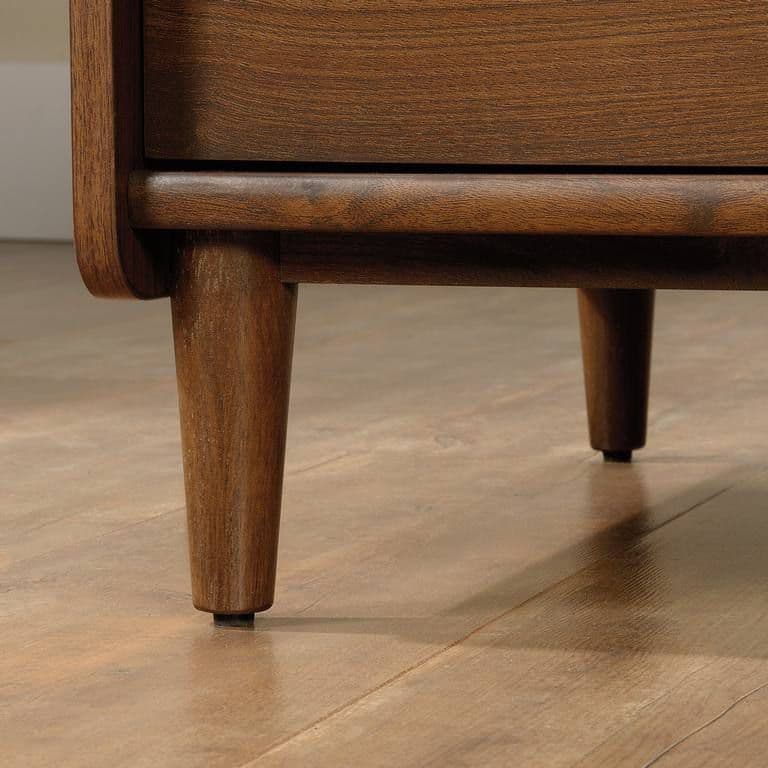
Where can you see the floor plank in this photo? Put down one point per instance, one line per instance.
(445, 522)
(657, 649)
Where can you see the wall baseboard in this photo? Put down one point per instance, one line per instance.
(35, 152)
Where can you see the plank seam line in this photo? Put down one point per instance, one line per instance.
(93, 539)
(423, 662)
(683, 680)
(655, 760)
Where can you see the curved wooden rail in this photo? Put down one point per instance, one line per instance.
(546, 203)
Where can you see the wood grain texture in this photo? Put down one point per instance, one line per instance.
(616, 337)
(438, 481)
(233, 326)
(107, 145)
(543, 261)
(636, 660)
(642, 204)
(538, 82)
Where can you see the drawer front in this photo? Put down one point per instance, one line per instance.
(587, 82)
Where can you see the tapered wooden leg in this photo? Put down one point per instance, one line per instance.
(616, 333)
(233, 323)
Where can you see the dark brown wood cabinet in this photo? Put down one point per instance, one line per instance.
(555, 82)
(227, 150)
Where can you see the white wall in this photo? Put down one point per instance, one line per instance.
(34, 30)
(35, 153)
(35, 188)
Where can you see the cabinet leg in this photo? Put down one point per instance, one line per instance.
(616, 333)
(233, 324)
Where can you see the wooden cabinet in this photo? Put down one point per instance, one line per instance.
(529, 82)
(227, 150)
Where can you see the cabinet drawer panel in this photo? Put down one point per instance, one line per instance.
(592, 82)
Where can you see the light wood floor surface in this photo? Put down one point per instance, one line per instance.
(461, 581)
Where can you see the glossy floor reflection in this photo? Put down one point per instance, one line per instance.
(461, 580)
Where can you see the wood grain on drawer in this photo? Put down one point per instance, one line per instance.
(603, 82)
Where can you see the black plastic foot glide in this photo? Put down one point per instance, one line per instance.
(617, 457)
(233, 620)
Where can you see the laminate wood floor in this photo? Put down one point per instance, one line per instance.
(461, 582)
